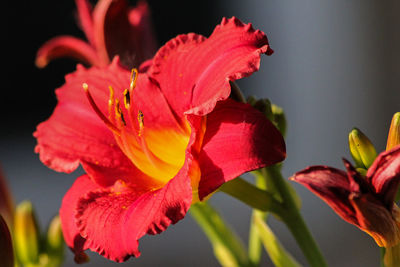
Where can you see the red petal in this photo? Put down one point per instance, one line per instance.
(375, 219)
(85, 19)
(75, 134)
(148, 98)
(113, 219)
(115, 35)
(238, 139)
(358, 184)
(194, 73)
(332, 186)
(384, 175)
(66, 46)
(74, 240)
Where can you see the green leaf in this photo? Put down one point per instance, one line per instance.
(279, 256)
(228, 248)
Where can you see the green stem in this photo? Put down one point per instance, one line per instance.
(237, 93)
(382, 250)
(228, 248)
(251, 195)
(294, 221)
(255, 245)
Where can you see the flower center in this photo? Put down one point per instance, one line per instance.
(158, 152)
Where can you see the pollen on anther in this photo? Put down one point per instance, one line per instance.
(140, 118)
(118, 112)
(127, 99)
(134, 75)
(85, 86)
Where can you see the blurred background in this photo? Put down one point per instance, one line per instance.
(336, 66)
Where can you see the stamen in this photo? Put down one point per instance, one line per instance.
(134, 75)
(118, 112)
(140, 118)
(127, 99)
(110, 101)
(111, 126)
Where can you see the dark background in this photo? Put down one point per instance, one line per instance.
(335, 66)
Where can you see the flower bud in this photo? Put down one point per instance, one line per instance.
(26, 234)
(394, 132)
(362, 171)
(251, 100)
(263, 105)
(361, 149)
(55, 242)
(6, 248)
(279, 118)
(273, 112)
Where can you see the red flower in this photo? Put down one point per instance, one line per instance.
(175, 140)
(367, 202)
(111, 29)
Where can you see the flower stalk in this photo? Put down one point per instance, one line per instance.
(291, 216)
(255, 245)
(287, 209)
(251, 195)
(228, 248)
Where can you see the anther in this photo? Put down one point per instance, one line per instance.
(118, 112)
(111, 99)
(134, 75)
(127, 98)
(111, 126)
(140, 118)
(110, 102)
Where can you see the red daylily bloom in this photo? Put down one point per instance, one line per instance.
(111, 29)
(175, 139)
(367, 202)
